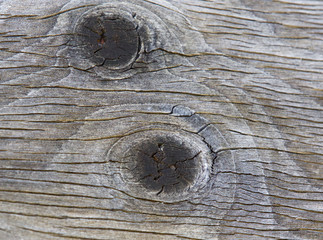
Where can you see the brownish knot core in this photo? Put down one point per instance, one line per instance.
(164, 164)
(109, 40)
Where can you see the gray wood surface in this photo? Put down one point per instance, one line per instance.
(239, 79)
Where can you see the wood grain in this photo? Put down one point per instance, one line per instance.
(240, 78)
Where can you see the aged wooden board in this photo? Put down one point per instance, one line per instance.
(179, 119)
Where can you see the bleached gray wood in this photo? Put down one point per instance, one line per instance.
(243, 76)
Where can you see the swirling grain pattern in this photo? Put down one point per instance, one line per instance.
(224, 97)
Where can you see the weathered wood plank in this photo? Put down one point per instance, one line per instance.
(236, 86)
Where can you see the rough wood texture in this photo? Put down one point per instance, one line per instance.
(237, 81)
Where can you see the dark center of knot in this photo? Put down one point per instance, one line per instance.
(109, 40)
(165, 165)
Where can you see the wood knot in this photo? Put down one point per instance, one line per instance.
(108, 39)
(119, 39)
(163, 165)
